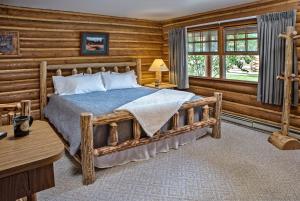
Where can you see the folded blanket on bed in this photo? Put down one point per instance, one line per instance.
(154, 110)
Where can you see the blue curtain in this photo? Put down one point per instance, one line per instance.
(178, 58)
(272, 57)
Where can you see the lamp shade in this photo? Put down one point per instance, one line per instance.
(158, 65)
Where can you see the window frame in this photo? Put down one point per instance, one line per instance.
(246, 39)
(221, 49)
(208, 41)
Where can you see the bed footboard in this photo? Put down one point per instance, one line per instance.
(88, 121)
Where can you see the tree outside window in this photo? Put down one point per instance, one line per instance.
(235, 58)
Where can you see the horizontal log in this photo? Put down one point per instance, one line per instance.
(16, 96)
(14, 66)
(165, 135)
(75, 58)
(235, 86)
(19, 71)
(15, 28)
(76, 35)
(23, 81)
(246, 99)
(91, 65)
(76, 44)
(135, 25)
(67, 15)
(61, 26)
(260, 113)
(21, 86)
(78, 40)
(23, 49)
(75, 53)
(19, 76)
(124, 115)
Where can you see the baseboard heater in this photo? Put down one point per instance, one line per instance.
(266, 127)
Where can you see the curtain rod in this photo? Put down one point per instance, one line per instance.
(224, 21)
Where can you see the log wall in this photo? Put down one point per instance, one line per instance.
(238, 97)
(54, 36)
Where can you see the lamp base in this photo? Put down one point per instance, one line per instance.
(157, 83)
(157, 78)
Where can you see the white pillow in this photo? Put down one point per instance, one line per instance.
(78, 84)
(56, 81)
(120, 80)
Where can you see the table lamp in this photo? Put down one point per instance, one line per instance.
(158, 66)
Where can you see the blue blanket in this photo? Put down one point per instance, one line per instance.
(64, 113)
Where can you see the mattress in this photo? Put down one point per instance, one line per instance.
(64, 113)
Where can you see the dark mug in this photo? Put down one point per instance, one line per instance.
(22, 125)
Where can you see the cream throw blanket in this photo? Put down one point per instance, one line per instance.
(154, 110)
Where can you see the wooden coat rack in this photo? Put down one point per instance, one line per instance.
(280, 138)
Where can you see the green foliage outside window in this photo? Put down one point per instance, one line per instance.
(238, 54)
(215, 63)
(239, 61)
(196, 65)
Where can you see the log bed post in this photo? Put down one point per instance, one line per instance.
(113, 134)
(139, 71)
(176, 121)
(191, 113)
(87, 148)
(216, 131)
(43, 87)
(136, 130)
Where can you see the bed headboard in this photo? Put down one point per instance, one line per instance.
(88, 68)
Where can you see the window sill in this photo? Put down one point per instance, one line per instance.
(224, 80)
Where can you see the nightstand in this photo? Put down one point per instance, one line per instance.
(163, 85)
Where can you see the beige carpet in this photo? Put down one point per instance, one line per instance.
(242, 165)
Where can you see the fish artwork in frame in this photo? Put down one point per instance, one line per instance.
(94, 44)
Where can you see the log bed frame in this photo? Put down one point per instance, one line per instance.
(87, 120)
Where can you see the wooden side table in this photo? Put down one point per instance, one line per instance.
(26, 163)
(163, 85)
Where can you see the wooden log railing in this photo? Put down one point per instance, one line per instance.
(82, 67)
(88, 121)
(12, 109)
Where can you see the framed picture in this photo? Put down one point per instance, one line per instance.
(9, 43)
(93, 44)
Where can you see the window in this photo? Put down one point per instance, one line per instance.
(242, 39)
(202, 49)
(241, 53)
(235, 58)
(205, 41)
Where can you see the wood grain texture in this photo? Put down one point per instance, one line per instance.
(239, 97)
(41, 146)
(113, 137)
(41, 178)
(14, 186)
(23, 108)
(54, 36)
(160, 136)
(87, 147)
(216, 131)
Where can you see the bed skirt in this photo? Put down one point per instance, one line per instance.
(148, 151)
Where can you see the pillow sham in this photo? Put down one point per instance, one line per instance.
(78, 84)
(120, 80)
(57, 80)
